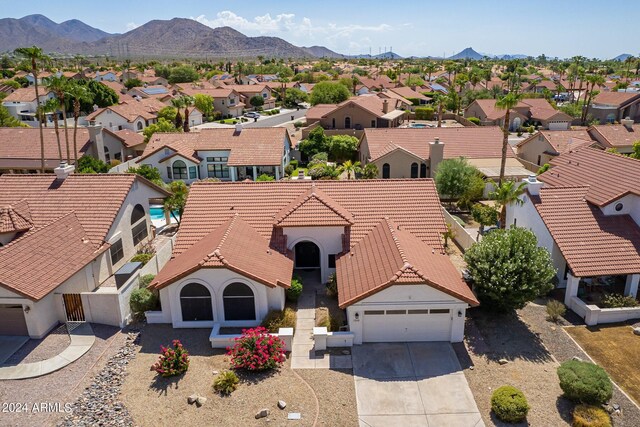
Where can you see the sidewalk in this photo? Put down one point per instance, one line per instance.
(82, 338)
(303, 355)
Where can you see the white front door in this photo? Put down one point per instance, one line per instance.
(399, 325)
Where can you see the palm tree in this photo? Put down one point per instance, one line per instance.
(178, 103)
(506, 103)
(628, 61)
(505, 194)
(52, 106)
(370, 171)
(34, 55)
(439, 99)
(59, 85)
(350, 167)
(79, 93)
(187, 101)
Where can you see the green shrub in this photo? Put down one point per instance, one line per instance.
(145, 280)
(172, 361)
(584, 382)
(265, 177)
(294, 163)
(555, 310)
(424, 113)
(298, 124)
(509, 404)
(293, 293)
(226, 382)
(277, 319)
(325, 319)
(618, 301)
(143, 258)
(289, 169)
(590, 416)
(142, 300)
(332, 285)
(474, 120)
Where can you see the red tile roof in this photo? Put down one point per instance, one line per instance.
(147, 108)
(608, 176)
(593, 244)
(38, 262)
(562, 141)
(413, 204)
(617, 135)
(471, 142)
(15, 218)
(251, 146)
(26, 94)
(616, 99)
(390, 255)
(227, 246)
(313, 207)
(128, 137)
(20, 147)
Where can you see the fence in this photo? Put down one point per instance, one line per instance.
(123, 167)
(457, 118)
(461, 235)
(528, 165)
(332, 132)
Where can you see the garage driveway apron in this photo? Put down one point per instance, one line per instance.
(412, 384)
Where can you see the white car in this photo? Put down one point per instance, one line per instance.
(252, 115)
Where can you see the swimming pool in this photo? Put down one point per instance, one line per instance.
(418, 125)
(157, 213)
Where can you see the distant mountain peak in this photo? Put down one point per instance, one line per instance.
(467, 53)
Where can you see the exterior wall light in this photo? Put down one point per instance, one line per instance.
(27, 308)
(459, 313)
(357, 316)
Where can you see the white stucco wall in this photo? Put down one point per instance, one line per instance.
(408, 297)
(328, 239)
(630, 206)
(216, 280)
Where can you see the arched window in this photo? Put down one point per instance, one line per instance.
(239, 302)
(386, 171)
(423, 170)
(139, 125)
(414, 170)
(347, 122)
(195, 303)
(179, 170)
(139, 229)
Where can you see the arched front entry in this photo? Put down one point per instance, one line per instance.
(195, 303)
(239, 302)
(307, 255)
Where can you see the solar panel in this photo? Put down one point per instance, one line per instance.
(155, 90)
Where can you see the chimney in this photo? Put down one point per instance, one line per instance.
(627, 122)
(533, 185)
(238, 127)
(95, 136)
(300, 174)
(64, 170)
(436, 154)
(385, 106)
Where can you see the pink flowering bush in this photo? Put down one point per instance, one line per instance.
(172, 361)
(256, 350)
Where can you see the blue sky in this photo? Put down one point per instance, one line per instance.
(562, 28)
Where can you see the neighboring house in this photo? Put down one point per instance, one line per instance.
(611, 107)
(133, 115)
(535, 111)
(22, 103)
(585, 211)
(119, 145)
(378, 83)
(62, 237)
(226, 101)
(226, 154)
(410, 94)
(159, 92)
(249, 91)
(360, 112)
(240, 244)
(153, 80)
(416, 153)
(545, 145)
(99, 76)
(539, 86)
(20, 148)
(621, 137)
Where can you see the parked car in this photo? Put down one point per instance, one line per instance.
(252, 115)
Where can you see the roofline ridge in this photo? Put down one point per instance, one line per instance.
(403, 256)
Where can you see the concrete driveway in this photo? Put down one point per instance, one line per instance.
(412, 384)
(9, 345)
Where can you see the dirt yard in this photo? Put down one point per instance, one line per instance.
(152, 400)
(616, 349)
(529, 366)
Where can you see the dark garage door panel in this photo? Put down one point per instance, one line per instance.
(13, 321)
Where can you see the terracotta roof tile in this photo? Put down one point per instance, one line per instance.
(226, 247)
(470, 142)
(592, 243)
(613, 98)
(128, 137)
(19, 145)
(617, 135)
(562, 141)
(15, 218)
(390, 255)
(608, 176)
(313, 207)
(147, 108)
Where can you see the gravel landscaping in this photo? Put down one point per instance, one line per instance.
(152, 400)
(59, 388)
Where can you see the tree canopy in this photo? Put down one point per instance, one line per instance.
(455, 178)
(88, 164)
(329, 93)
(508, 269)
(204, 103)
(183, 74)
(163, 125)
(176, 202)
(293, 96)
(8, 121)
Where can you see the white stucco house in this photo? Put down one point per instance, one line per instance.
(62, 237)
(22, 103)
(585, 211)
(134, 115)
(240, 243)
(228, 154)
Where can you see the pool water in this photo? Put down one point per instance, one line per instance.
(157, 213)
(418, 125)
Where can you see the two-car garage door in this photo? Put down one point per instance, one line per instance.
(388, 325)
(13, 321)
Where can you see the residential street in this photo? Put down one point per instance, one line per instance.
(276, 120)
